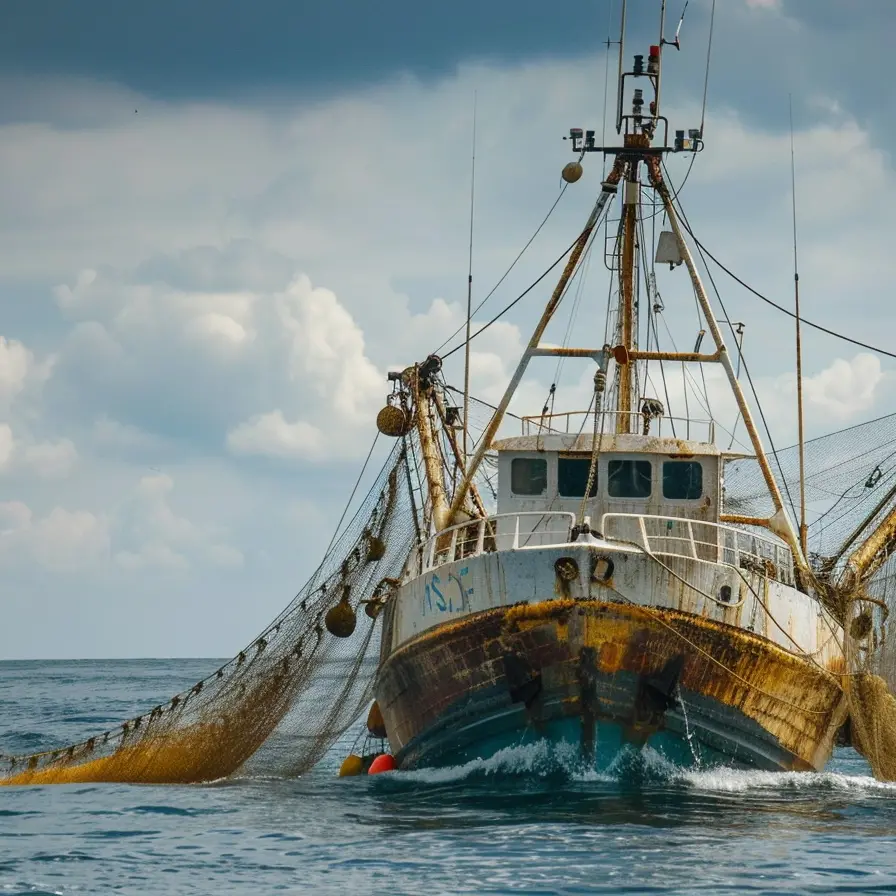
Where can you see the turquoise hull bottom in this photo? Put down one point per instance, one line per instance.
(559, 742)
(598, 745)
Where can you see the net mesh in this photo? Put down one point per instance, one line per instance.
(285, 698)
(847, 474)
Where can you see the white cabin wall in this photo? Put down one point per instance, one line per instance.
(705, 508)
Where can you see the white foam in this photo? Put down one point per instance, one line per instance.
(546, 758)
(730, 780)
(540, 759)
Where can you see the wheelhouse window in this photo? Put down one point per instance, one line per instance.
(682, 480)
(629, 478)
(572, 477)
(528, 476)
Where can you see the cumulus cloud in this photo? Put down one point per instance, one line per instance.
(216, 312)
(149, 533)
(142, 532)
(846, 389)
(61, 541)
(327, 349)
(7, 446)
(51, 460)
(272, 436)
(15, 361)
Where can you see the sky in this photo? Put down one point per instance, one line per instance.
(221, 225)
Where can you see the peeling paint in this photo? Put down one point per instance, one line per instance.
(798, 705)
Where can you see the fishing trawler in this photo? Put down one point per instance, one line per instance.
(599, 581)
(608, 601)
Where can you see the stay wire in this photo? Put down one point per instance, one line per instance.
(787, 311)
(351, 497)
(651, 320)
(507, 272)
(743, 362)
(687, 174)
(507, 308)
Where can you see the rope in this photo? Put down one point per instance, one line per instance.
(600, 382)
(351, 497)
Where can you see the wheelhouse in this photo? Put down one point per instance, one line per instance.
(634, 474)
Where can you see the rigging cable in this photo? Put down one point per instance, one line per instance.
(787, 311)
(583, 268)
(512, 265)
(743, 360)
(507, 308)
(651, 319)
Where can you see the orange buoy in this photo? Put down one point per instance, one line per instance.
(383, 763)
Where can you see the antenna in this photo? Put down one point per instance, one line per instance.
(621, 69)
(469, 295)
(675, 42)
(656, 102)
(799, 353)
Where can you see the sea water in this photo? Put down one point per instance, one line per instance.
(525, 821)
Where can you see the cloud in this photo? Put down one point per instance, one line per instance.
(26, 457)
(271, 436)
(149, 533)
(215, 292)
(62, 541)
(142, 532)
(846, 389)
(15, 360)
(51, 460)
(7, 445)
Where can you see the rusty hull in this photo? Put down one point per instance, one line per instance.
(594, 663)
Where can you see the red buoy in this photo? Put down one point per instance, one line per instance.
(383, 763)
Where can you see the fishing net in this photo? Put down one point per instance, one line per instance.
(848, 473)
(292, 691)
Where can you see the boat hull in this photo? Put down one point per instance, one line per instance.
(602, 676)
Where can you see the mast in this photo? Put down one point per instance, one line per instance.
(420, 378)
(627, 295)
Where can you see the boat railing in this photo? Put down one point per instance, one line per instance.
(576, 422)
(701, 540)
(501, 532)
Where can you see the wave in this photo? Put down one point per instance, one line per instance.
(633, 766)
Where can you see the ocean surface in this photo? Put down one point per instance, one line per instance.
(522, 822)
